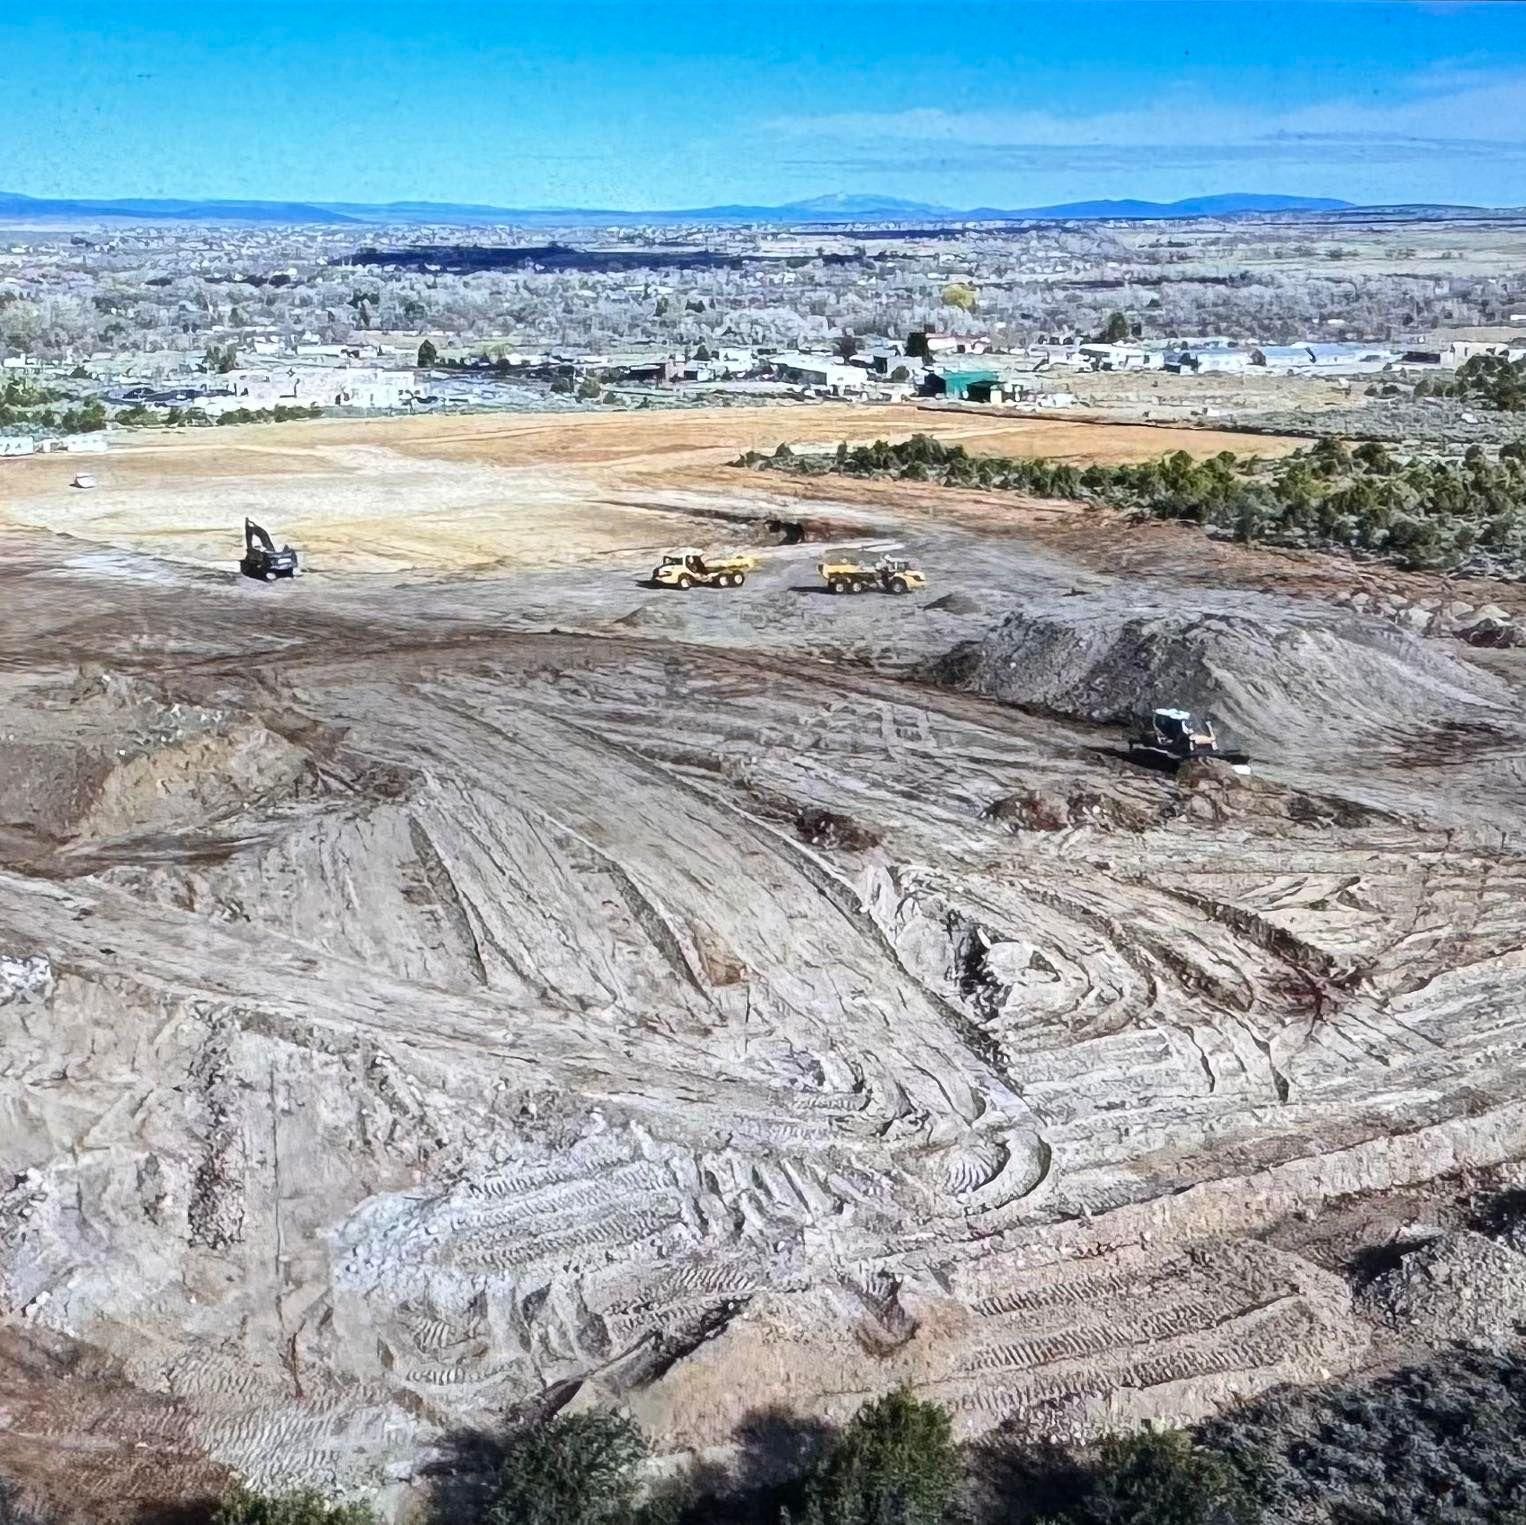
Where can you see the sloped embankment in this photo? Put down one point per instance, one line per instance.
(1271, 677)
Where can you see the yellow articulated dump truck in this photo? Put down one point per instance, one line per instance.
(890, 574)
(692, 569)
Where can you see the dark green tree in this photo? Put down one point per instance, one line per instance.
(428, 354)
(894, 1464)
(1160, 1477)
(1115, 330)
(302, 1506)
(576, 1469)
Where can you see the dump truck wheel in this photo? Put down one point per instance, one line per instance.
(898, 585)
(738, 578)
(860, 587)
(686, 582)
(838, 585)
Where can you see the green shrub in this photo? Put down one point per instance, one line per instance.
(894, 1464)
(1443, 1442)
(1161, 1477)
(301, 1506)
(576, 1469)
(1423, 513)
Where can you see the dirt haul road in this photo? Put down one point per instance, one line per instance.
(420, 992)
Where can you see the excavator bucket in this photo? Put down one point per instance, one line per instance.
(253, 535)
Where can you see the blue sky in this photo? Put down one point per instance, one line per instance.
(680, 104)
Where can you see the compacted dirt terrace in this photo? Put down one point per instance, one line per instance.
(468, 971)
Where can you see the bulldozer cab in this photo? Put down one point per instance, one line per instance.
(1183, 727)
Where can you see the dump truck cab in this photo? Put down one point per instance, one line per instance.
(1182, 732)
(890, 574)
(897, 575)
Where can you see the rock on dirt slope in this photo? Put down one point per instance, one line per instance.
(406, 1006)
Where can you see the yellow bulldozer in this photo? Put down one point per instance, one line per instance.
(692, 569)
(890, 574)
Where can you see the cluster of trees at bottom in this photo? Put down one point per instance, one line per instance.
(1439, 1444)
(894, 1463)
(280, 414)
(82, 418)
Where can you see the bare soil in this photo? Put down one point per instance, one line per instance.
(468, 970)
(482, 492)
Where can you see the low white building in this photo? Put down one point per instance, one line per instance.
(1207, 361)
(1122, 357)
(1351, 359)
(821, 371)
(956, 344)
(288, 386)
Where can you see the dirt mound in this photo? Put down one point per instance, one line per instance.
(1270, 678)
(1459, 1288)
(829, 829)
(1054, 810)
(107, 758)
(955, 603)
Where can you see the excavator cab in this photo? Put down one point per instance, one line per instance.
(262, 561)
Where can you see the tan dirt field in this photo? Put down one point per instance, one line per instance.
(486, 491)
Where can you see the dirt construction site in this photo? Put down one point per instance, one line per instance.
(468, 974)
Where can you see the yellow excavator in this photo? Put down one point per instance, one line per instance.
(689, 568)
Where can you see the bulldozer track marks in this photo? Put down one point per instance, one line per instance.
(522, 1023)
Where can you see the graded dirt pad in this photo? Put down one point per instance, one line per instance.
(484, 492)
(418, 995)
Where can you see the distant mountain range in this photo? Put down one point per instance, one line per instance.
(817, 210)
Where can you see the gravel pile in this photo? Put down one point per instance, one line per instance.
(1268, 677)
(1460, 1288)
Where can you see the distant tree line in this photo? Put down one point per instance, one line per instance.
(1491, 381)
(1421, 512)
(25, 407)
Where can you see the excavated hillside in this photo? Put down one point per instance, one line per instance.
(415, 998)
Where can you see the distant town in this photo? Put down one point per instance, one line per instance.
(1300, 321)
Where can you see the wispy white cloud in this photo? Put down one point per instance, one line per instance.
(1451, 108)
